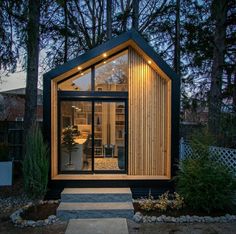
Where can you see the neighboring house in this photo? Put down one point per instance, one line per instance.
(122, 101)
(198, 116)
(12, 105)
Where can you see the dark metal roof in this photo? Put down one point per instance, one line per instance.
(130, 35)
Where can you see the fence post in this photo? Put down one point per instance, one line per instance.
(181, 149)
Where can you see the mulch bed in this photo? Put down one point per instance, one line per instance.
(40, 212)
(184, 211)
(15, 190)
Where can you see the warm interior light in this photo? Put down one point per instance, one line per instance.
(82, 74)
(149, 61)
(104, 62)
(79, 68)
(104, 55)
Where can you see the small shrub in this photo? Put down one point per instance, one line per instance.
(147, 204)
(205, 184)
(177, 203)
(163, 202)
(4, 152)
(35, 164)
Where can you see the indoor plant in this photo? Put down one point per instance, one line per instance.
(68, 141)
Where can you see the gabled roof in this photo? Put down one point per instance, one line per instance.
(130, 36)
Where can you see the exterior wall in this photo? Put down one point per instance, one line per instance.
(149, 136)
(149, 120)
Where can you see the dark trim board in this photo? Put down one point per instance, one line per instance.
(130, 35)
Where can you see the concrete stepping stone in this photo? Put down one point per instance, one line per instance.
(72, 210)
(96, 195)
(97, 226)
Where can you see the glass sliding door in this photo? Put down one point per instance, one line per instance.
(76, 136)
(109, 136)
(92, 136)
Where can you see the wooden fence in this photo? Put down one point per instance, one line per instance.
(226, 156)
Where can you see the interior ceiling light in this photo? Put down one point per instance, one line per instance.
(104, 55)
(82, 74)
(73, 106)
(149, 61)
(79, 68)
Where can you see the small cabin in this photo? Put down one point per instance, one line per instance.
(111, 116)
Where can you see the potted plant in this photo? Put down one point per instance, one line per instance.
(6, 166)
(68, 141)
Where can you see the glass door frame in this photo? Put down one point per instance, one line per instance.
(93, 97)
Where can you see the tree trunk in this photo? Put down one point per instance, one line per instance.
(109, 19)
(32, 64)
(135, 18)
(219, 13)
(177, 39)
(234, 92)
(66, 33)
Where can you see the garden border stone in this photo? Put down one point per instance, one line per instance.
(140, 218)
(18, 221)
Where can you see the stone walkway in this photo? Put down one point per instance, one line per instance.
(97, 226)
(119, 226)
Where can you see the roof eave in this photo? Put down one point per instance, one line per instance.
(130, 35)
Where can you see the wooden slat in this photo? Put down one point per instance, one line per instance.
(149, 119)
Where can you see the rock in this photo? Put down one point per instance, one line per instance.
(47, 221)
(30, 223)
(153, 218)
(182, 219)
(138, 217)
(52, 217)
(39, 223)
(188, 218)
(159, 219)
(167, 219)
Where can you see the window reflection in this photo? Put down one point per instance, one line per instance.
(112, 74)
(79, 82)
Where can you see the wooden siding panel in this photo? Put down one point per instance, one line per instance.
(149, 120)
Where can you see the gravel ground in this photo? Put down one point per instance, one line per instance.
(172, 228)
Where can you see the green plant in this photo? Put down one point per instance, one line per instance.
(204, 182)
(68, 141)
(200, 142)
(177, 203)
(35, 164)
(4, 152)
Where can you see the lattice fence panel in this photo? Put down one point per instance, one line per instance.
(226, 156)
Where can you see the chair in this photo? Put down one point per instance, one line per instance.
(108, 150)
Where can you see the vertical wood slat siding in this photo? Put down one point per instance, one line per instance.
(149, 119)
